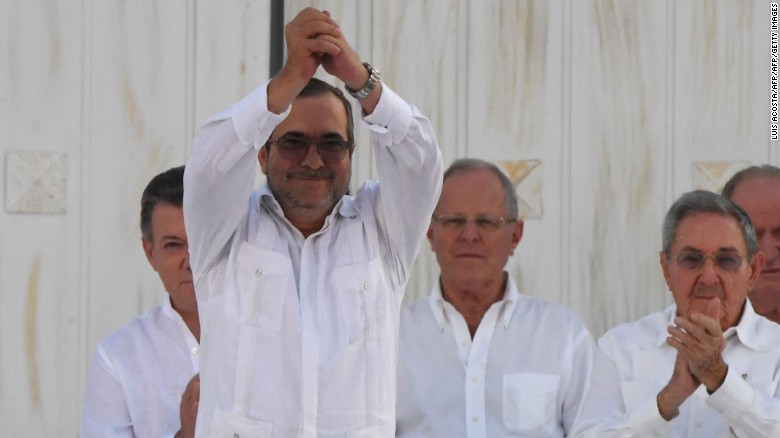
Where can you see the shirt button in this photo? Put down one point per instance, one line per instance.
(235, 435)
(698, 424)
(259, 273)
(463, 344)
(474, 379)
(475, 419)
(194, 350)
(366, 285)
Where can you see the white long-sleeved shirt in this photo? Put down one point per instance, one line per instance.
(299, 336)
(524, 373)
(635, 362)
(137, 376)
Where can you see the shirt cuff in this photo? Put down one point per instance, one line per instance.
(252, 120)
(734, 396)
(391, 119)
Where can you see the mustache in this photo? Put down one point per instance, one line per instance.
(716, 291)
(312, 174)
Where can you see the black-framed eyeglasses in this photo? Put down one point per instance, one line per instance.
(484, 223)
(694, 260)
(331, 149)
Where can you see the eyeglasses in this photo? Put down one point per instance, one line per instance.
(725, 261)
(483, 223)
(295, 147)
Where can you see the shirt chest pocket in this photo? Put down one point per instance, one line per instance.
(529, 403)
(360, 298)
(263, 279)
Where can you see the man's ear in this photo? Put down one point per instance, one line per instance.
(148, 250)
(517, 234)
(262, 157)
(756, 264)
(430, 236)
(665, 267)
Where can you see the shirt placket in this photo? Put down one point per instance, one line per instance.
(475, 353)
(310, 339)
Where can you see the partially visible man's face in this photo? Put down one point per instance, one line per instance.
(310, 183)
(168, 254)
(470, 258)
(760, 198)
(709, 234)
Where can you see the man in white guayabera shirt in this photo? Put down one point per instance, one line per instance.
(477, 359)
(140, 381)
(707, 366)
(299, 285)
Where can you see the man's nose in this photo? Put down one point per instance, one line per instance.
(312, 158)
(709, 272)
(470, 231)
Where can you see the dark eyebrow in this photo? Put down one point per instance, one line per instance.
(294, 134)
(171, 237)
(332, 135)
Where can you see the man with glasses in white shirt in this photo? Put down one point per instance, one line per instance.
(299, 284)
(707, 366)
(477, 358)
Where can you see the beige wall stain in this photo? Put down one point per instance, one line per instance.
(31, 332)
(131, 107)
(518, 91)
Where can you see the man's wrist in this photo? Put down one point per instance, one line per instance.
(718, 376)
(669, 403)
(367, 86)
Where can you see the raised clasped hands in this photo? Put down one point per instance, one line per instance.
(314, 38)
(699, 343)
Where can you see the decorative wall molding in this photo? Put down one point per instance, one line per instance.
(526, 175)
(713, 175)
(35, 182)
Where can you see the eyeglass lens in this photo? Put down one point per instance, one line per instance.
(692, 260)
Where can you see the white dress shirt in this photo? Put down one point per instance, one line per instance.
(523, 375)
(137, 376)
(299, 335)
(635, 363)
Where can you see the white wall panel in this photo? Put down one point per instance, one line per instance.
(619, 98)
(40, 101)
(231, 53)
(721, 85)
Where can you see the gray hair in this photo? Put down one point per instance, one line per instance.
(764, 171)
(703, 201)
(473, 164)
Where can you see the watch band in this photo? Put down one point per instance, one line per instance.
(373, 78)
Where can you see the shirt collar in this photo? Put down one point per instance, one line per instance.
(508, 303)
(167, 307)
(747, 327)
(745, 330)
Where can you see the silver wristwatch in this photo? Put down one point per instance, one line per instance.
(373, 78)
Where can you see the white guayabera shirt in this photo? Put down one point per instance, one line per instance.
(137, 376)
(299, 336)
(635, 362)
(523, 375)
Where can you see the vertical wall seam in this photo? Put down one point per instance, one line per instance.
(564, 252)
(85, 136)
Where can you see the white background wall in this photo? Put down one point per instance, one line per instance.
(602, 111)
